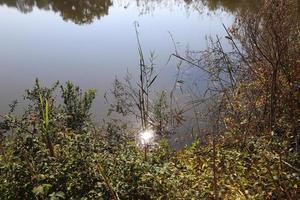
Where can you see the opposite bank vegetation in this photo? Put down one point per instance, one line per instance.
(250, 149)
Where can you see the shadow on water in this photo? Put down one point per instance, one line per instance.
(86, 11)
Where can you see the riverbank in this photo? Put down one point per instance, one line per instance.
(248, 150)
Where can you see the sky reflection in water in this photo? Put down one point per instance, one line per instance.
(91, 42)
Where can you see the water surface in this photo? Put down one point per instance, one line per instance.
(92, 41)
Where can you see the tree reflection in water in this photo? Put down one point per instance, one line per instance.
(86, 11)
(78, 11)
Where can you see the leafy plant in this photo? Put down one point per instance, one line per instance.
(77, 104)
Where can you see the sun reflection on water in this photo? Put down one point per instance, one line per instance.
(146, 138)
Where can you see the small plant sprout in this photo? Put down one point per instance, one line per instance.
(146, 138)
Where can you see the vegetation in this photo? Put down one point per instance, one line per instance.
(251, 148)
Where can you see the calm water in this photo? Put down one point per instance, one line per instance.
(92, 41)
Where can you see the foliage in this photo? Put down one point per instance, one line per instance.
(53, 151)
(77, 104)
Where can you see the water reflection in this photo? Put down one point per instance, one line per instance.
(78, 11)
(41, 45)
(232, 5)
(86, 11)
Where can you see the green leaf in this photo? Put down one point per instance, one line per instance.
(41, 189)
(47, 114)
(57, 195)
